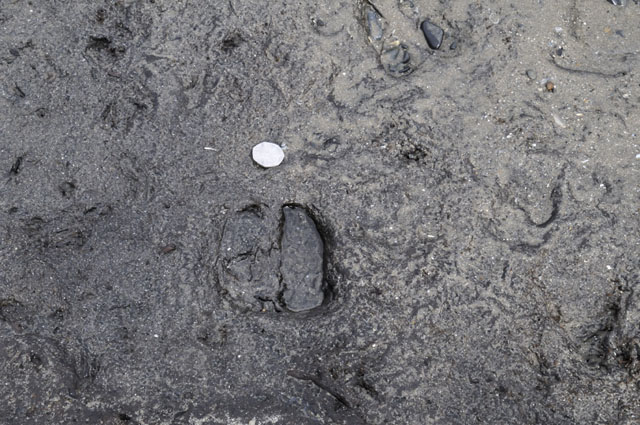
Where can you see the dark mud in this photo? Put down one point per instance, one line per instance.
(452, 238)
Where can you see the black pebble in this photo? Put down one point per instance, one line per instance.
(559, 51)
(432, 33)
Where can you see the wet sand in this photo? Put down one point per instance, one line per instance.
(452, 237)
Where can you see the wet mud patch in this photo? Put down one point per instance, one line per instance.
(274, 260)
(461, 278)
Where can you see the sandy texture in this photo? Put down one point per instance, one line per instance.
(478, 212)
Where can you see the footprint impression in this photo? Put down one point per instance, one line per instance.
(270, 262)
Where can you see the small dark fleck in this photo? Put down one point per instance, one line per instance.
(15, 168)
(168, 249)
(230, 42)
(35, 359)
(19, 91)
(66, 188)
(124, 417)
(559, 51)
(101, 14)
(14, 52)
(620, 33)
(453, 45)
(98, 43)
(331, 144)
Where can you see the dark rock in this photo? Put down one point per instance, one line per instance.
(432, 33)
(246, 262)
(302, 261)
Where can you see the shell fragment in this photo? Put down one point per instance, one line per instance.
(267, 154)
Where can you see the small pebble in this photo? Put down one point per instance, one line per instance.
(618, 2)
(531, 74)
(267, 154)
(559, 51)
(374, 23)
(432, 33)
(550, 86)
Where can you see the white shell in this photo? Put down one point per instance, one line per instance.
(267, 154)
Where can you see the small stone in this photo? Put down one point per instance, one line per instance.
(550, 86)
(374, 24)
(618, 2)
(267, 154)
(531, 74)
(432, 33)
(560, 51)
